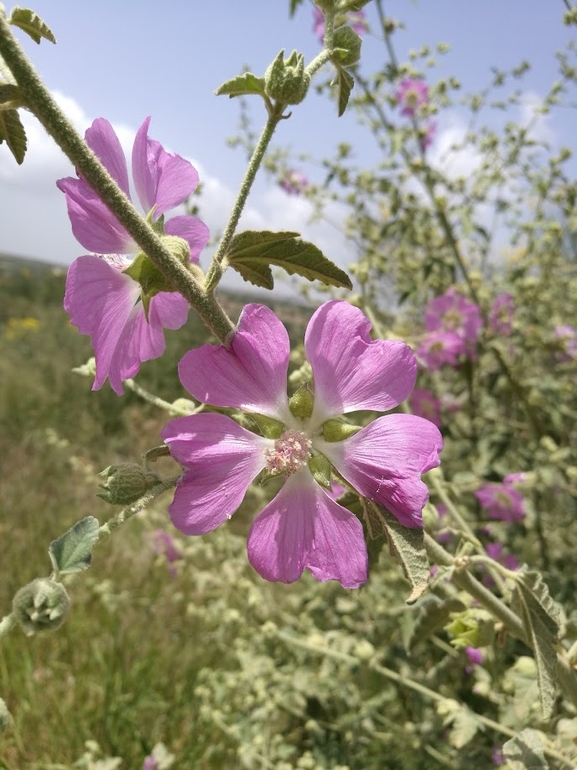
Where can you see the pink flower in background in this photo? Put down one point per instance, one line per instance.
(150, 763)
(452, 314)
(104, 301)
(293, 182)
(429, 135)
(438, 348)
(495, 551)
(502, 501)
(567, 337)
(357, 21)
(475, 657)
(411, 95)
(425, 404)
(163, 545)
(501, 314)
(303, 526)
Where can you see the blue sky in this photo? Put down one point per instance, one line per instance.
(125, 60)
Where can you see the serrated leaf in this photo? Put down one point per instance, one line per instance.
(72, 552)
(32, 24)
(434, 614)
(345, 83)
(294, 4)
(464, 728)
(525, 751)
(407, 546)
(246, 84)
(251, 250)
(12, 132)
(539, 614)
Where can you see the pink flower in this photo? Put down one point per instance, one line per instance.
(357, 20)
(502, 501)
(475, 657)
(303, 527)
(438, 348)
(455, 320)
(495, 551)
(293, 182)
(425, 404)
(126, 321)
(411, 95)
(567, 337)
(163, 545)
(501, 314)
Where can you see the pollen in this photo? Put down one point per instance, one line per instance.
(291, 453)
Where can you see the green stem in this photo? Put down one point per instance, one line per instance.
(146, 395)
(127, 513)
(218, 265)
(39, 100)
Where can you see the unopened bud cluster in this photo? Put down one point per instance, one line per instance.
(286, 80)
(125, 483)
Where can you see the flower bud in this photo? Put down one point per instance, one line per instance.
(5, 718)
(41, 605)
(286, 79)
(301, 403)
(125, 483)
(350, 44)
(473, 628)
(337, 430)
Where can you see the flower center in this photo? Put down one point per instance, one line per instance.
(119, 261)
(291, 453)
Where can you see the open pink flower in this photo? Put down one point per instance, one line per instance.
(440, 347)
(303, 527)
(425, 404)
(102, 299)
(502, 501)
(411, 95)
(453, 325)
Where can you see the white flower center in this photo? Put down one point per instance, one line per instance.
(291, 453)
(119, 261)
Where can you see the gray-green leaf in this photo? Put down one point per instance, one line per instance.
(246, 84)
(525, 751)
(72, 552)
(12, 132)
(251, 253)
(32, 24)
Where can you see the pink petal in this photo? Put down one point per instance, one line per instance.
(195, 232)
(251, 374)
(168, 309)
(384, 462)
(93, 225)
(351, 371)
(100, 299)
(303, 527)
(221, 460)
(102, 140)
(161, 179)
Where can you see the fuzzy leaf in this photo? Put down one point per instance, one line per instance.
(32, 24)
(464, 728)
(251, 251)
(12, 132)
(540, 616)
(10, 93)
(345, 83)
(242, 85)
(72, 552)
(434, 614)
(407, 546)
(525, 751)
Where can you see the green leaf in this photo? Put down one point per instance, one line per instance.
(464, 728)
(345, 83)
(541, 617)
(251, 253)
(246, 84)
(407, 546)
(32, 24)
(10, 93)
(12, 132)
(294, 4)
(525, 751)
(72, 552)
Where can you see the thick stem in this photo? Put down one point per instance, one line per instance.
(40, 102)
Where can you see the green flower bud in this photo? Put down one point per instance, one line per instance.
(473, 628)
(301, 403)
(5, 717)
(286, 80)
(41, 605)
(337, 430)
(320, 468)
(178, 247)
(350, 44)
(125, 483)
